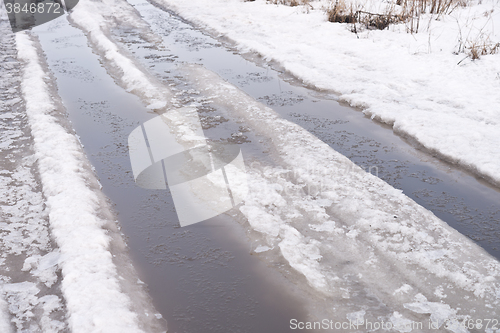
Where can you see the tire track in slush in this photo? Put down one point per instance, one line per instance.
(200, 279)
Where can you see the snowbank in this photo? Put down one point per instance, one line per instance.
(410, 81)
(30, 297)
(90, 284)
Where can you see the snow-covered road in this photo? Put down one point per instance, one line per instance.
(359, 248)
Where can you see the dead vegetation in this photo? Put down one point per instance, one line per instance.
(291, 3)
(479, 46)
(407, 12)
(476, 42)
(475, 51)
(349, 13)
(402, 11)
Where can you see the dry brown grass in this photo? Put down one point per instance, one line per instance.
(291, 3)
(476, 42)
(413, 10)
(408, 12)
(403, 11)
(479, 47)
(350, 13)
(342, 13)
(476, 51)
